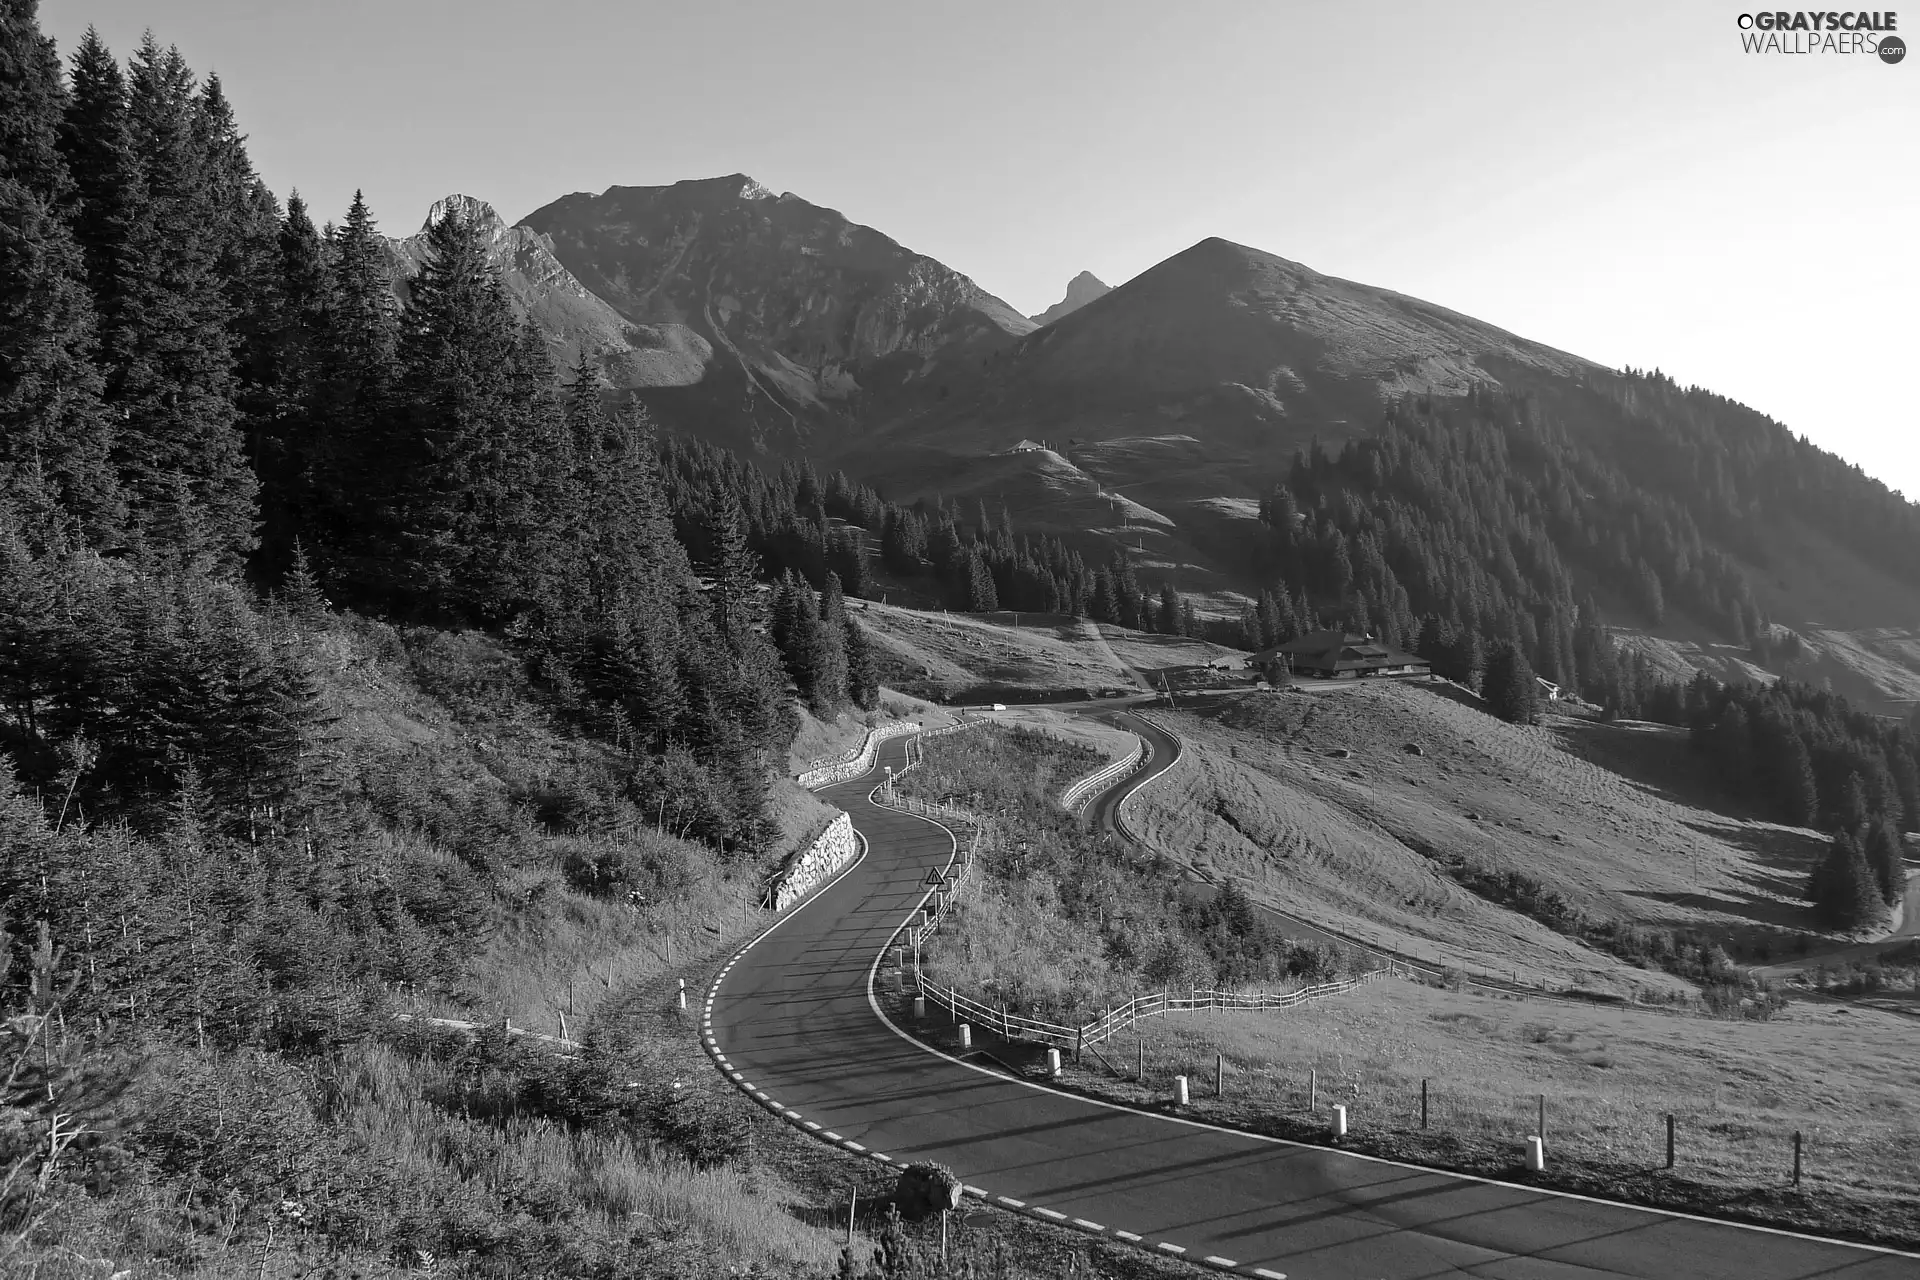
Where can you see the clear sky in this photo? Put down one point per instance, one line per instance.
(1618, 180)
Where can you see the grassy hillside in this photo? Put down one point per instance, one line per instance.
(1315, 801)
(963, 655)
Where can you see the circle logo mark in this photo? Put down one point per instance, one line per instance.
(1892, 49)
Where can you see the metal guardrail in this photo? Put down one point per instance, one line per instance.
(1093, 783)
(1018, 1026)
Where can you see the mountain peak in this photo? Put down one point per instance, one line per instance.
(469, 208)
(1081, 290)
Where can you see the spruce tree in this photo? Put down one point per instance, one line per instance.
(830, 648)
(1850, 808)
(458, 478)
(286, 371)
(1882, 851)
(800, 640)
(168, 350)
(734, 567)
(863, 676)
(1509, 686)
(1845, 894)
(352, 453)
(1168, 620)
(55, 439)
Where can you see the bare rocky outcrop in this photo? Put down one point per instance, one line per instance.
(570, 316)
(809, 313)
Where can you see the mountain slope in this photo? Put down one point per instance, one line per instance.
(1171, 405)
(572, 317)
(1081, 290)
(811, 316)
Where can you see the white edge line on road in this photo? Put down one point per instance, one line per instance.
(873, 1003)
(1219, 1261)
(831, 1136)
(713, 1046)
(1128, 1236)
(1265, 1274)
(973, 1191)
(1010, 1202)
(854, 1146)
(1164, 1247)
(1091, 1226)
(1055, 1214)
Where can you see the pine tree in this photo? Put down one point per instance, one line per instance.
(1851, 811)
(1168, 620)
(1882, 851)
(799, 635)
(1842, 888)
(286, 367)
(353, 456)
(1509, 685)
(863, 676)
(830, 648)
(55, 440)
(1786, 770)
(167, 349)
(460, 477)
(733, 568)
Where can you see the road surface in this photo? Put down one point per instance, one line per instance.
(795, 1021)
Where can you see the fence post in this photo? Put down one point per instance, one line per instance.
(1669, 1139)
(1423, 1104)
(1219, 1075)
(1543, 1118)
(1079, 1045)
(1313, 1089)
(1141, 1075)
(1796, 1157)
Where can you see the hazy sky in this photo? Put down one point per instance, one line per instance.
(1619, 180)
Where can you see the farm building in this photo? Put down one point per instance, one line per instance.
(1339, 655)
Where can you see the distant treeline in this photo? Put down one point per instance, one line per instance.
(1808, 758)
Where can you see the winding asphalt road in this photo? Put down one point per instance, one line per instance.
(794, 1019)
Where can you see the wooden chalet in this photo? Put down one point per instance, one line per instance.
(1337, 655)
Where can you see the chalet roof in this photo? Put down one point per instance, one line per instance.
(1337, 651)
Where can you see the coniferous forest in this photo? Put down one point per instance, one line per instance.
(239, 482)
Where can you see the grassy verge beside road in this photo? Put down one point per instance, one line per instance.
(1849, 1081)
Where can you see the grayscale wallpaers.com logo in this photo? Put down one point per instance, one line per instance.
(1831, 32)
